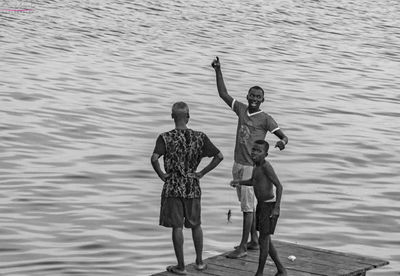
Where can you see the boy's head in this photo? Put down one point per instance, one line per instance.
(259, 150)
(180, 110)
(255, 97)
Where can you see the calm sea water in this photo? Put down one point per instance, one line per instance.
(87, 86)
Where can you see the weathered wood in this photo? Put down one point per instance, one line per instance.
(310, 261)
(349, 264)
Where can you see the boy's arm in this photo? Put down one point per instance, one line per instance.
(156, 166)
(247, 182)
(214, 162)
(270, 173)
(222, 91)
(281, 144)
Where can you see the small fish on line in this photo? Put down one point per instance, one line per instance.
(229, 214)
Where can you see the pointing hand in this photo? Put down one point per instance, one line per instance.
(215, 64)
(280, 144)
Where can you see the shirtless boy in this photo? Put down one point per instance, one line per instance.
(263, 180)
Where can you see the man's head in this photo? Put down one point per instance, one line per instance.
(259, 150)
(180, 111)
(255, 97)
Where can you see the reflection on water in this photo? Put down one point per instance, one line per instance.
(87, 86)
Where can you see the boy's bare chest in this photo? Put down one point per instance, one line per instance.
(263, 187)
(259, 175)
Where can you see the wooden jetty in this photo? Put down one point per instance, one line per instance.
(310, 261)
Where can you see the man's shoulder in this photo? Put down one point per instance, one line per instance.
(239, 108)
(200, 136)
(162, 134)
(266, 114)
(197, 133)
(170, 134)
(168, 131)
(265, 117)
(189, 130)
(240, 104)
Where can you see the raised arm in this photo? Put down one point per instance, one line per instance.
(223, 93)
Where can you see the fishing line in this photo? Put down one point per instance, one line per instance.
(230, 198)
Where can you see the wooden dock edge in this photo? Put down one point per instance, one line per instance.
(310, 261)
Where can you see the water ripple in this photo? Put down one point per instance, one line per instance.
(87, 87)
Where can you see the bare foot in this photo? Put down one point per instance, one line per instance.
(281, 273)
(176, 270)
(237, 253)
(250, 246)
(200, 266)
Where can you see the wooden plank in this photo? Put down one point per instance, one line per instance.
(250, 263)
(303, 265)
(361, 258)
(310, 261)
(348, 264)
(307, 264)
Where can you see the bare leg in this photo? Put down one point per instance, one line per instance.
(242, 248)
(247, 224)
(264, 248)
(253, 231)
(253, 243)
(274, 256)
(177, 240)
(247, 227)
(197, 235)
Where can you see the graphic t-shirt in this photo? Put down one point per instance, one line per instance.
(251, 127)
(183, 150)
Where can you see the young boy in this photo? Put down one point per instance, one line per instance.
(268, 204)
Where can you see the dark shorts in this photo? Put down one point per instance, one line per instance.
(264, 223)
(177, 212)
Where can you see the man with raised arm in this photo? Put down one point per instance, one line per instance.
(253, 125)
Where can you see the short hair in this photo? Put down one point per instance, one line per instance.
(264, 143)
(257, 88)
(180, 107)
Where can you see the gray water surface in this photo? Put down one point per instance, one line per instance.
(87, 86)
